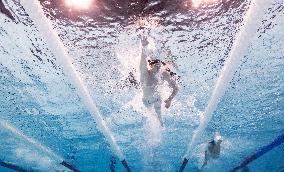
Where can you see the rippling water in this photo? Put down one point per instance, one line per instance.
(38, 99)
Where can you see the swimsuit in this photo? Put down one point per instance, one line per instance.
(152, 99)
(148, 102)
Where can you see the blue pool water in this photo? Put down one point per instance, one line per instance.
(45, 117)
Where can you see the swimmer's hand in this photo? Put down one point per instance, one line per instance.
(144, 40)
(168, 102)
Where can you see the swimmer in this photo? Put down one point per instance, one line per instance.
(213, 148)
(153, 74)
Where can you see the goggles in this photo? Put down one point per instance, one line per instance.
(152, 62)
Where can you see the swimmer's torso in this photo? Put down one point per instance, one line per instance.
(214, 150)
(150, 84)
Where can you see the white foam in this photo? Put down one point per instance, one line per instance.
(32, 157)
(153, 130)
(128, 53)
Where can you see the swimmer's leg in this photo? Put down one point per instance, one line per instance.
(158, 111)
(206, 158)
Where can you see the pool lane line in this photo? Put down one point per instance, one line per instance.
(263, 150)
(30, 140)
(252, 20)
(44, 25)
(183, 165)
(12, 166)
(37, 144)
(69, 166)
(125, 165)
(17, 168)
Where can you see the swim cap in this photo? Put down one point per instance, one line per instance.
(217, 136)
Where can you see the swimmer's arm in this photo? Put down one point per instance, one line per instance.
(173, 85)
(143, 63)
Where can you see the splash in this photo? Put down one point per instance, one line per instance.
(153, 130)
(152, 127)
(148, 22)
(43, 162)
(128, 52)
(153, 138)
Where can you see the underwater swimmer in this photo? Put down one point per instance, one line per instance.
(213, 148)
(153, 74)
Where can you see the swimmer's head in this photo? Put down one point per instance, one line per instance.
(156, 64)
(217, 137)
